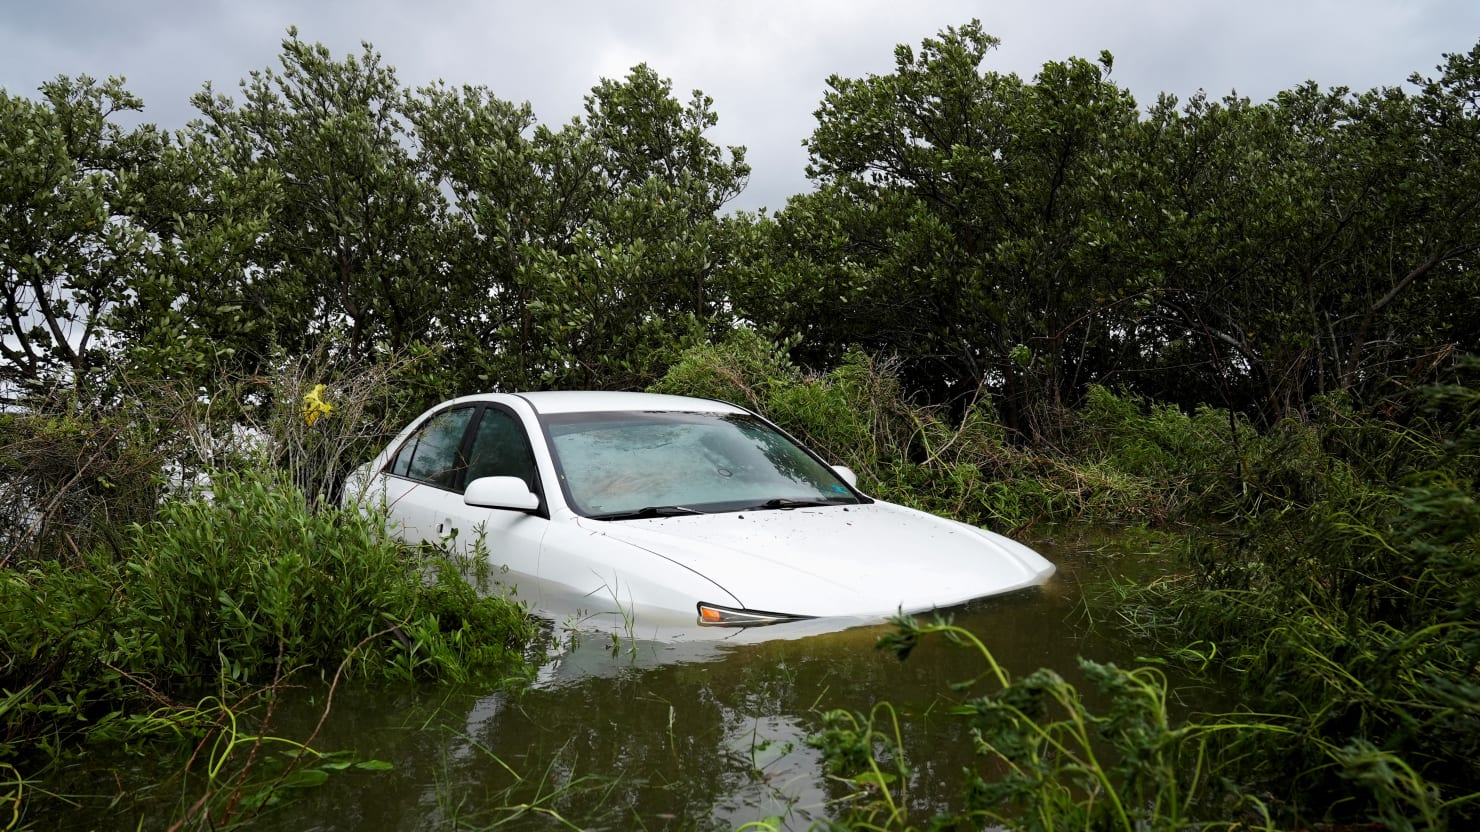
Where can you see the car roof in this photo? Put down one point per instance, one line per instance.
(585, 401)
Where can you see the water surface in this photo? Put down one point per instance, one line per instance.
(620, 731)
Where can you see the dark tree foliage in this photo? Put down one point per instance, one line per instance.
(68, 250)
(1032, 237)
(354, 242)
(588, 252)
(1006, 238)
(328, 209)
(965, 222)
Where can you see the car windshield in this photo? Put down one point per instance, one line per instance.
(643, 463)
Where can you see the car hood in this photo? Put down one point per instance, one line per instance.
(871, 559)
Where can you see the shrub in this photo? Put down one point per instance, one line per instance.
(1351, 603)
(69, 481)
(246, 588)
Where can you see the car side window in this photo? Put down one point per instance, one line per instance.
(433, 454)
(501, 448)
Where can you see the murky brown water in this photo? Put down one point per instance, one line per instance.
(631, 734)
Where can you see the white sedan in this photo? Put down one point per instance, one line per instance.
(672, 511)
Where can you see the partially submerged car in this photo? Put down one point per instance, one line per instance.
(673, 511)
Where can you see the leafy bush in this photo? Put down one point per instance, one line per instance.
(1352, 604)
(1159, 441)
(69, 480)
(248, 587)
(741, 369)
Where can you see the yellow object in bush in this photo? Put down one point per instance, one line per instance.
(314, 405)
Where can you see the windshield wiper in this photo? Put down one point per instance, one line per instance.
(647, 512)
(793, 502)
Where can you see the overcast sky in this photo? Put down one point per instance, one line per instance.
(764, 63)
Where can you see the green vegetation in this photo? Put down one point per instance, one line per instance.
(247, 586)
(1336, 595)
(1008, 300)
(1003, 239)
(859, 414)
(184, 631)
(1348, 602)
(175, 563)
(1047, 761)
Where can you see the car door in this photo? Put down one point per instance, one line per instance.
(507, 539)
(425, 476)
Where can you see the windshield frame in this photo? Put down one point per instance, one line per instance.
(548, 420)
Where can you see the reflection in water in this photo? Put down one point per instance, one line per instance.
(672, 734)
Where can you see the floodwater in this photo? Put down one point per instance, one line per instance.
(629, 733)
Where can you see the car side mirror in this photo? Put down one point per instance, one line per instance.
(501, 492)
(847, 474)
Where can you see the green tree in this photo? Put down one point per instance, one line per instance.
(1222, 195)
(1028, 238)
(68, 248)
(959, 215)
(201, 305)
(1321, 241)
(354, 242)
(1427, 253)
(591, 251)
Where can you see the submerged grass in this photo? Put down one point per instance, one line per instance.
(1046, 761)
(545, 796)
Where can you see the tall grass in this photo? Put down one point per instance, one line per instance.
(1360, 620)
(1046, 761)
(1344, 592)
(223, 597)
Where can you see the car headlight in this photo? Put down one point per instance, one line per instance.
(713, 615)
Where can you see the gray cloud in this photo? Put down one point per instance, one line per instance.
(765, 63)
